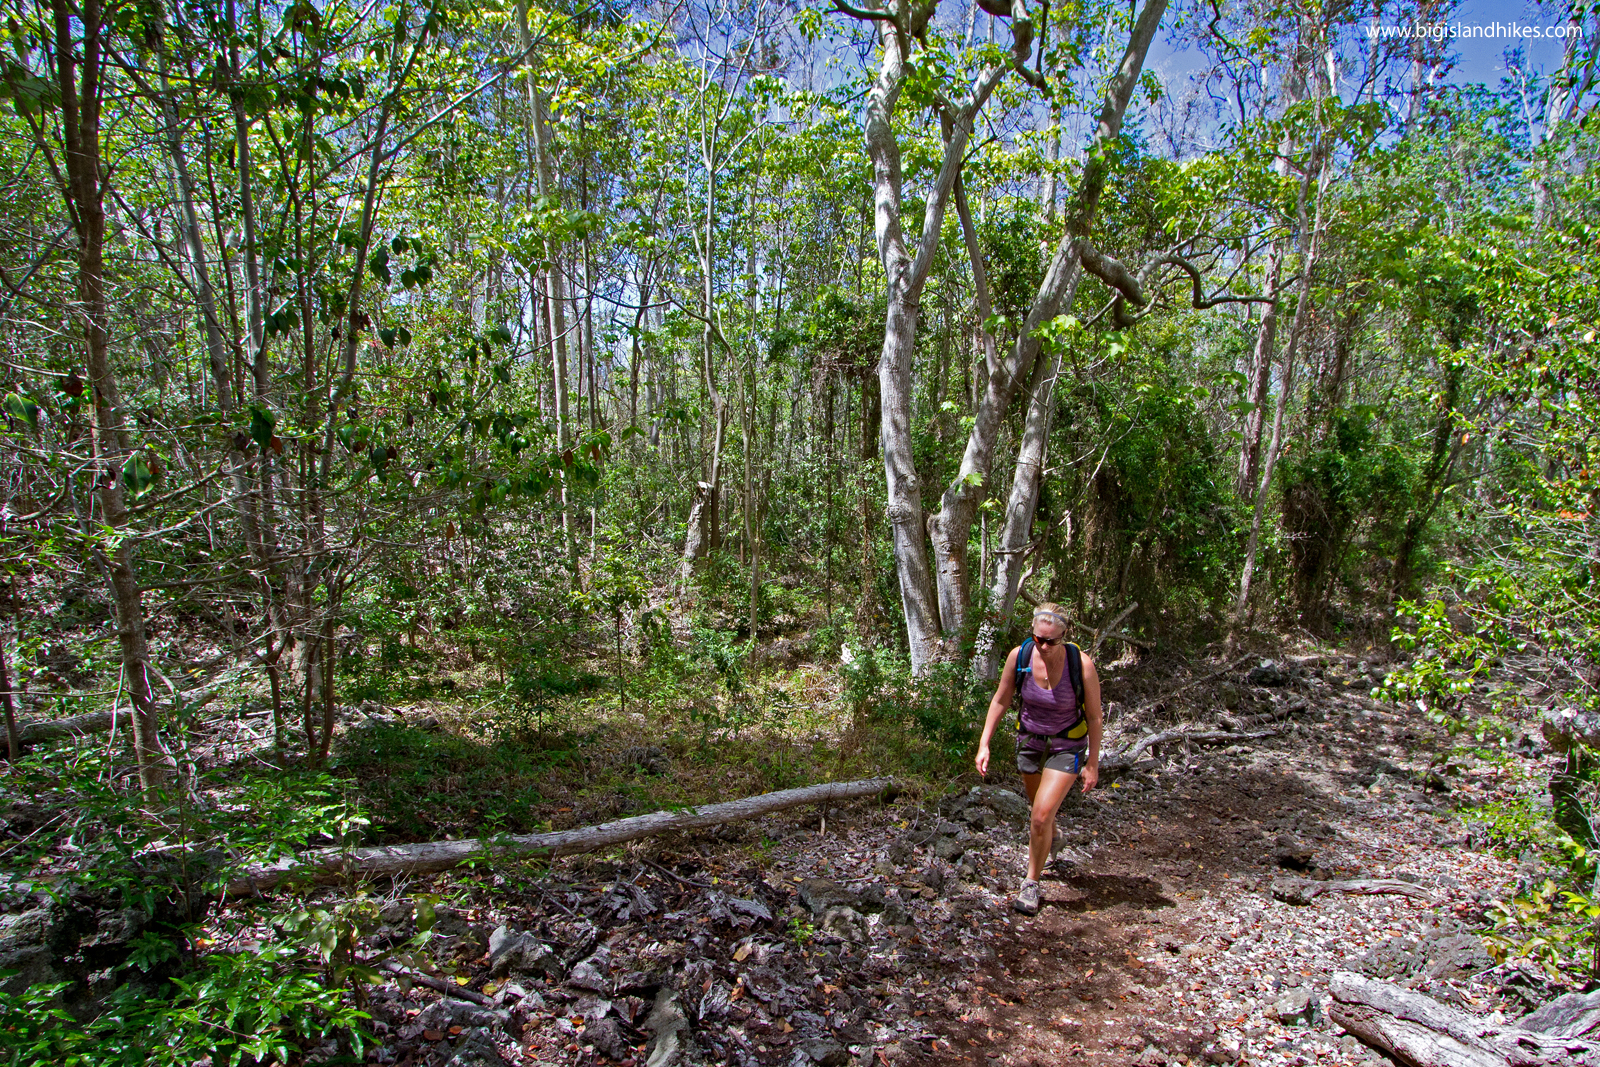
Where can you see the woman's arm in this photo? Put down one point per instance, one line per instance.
(1091, 711)
(997, 707)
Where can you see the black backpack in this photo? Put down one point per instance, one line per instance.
(1074, 674)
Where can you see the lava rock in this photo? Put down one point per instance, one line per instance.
(1293, 854)
(715, 1002)
(950, 848)
(979, 817)
(845, 922)
(753, 908)
(1295, 1007)
(1564, 727)
(1225, 1049)
(476, 1048)
(824, 1051)
(1456, 956)
(449, 1012)
(29, 943)
(608, 1039)
(820, 894)
(1268, 674)
(651, 759)
(516, 952)
(590, 974)
(1003, 802)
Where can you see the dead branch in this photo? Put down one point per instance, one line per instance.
(95, 722)
(333, 865)
(1421, 1032)
(1305, 890)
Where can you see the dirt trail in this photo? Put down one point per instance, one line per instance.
(1168, 944)
(883, 935)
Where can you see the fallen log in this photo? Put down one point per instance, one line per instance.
(1419, 1031)
(95, 722)
(1197, 737)
(1305, 890)
(98, 722)
(333, 864)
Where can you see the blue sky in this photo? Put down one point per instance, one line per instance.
(1482, 61)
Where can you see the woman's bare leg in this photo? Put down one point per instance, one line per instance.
(1047, 790)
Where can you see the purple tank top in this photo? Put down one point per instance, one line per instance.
(1047, 712)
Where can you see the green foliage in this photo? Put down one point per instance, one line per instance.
(801, 930)
(1446, 662)
(934, 718)
(1351, 474)
(118, 847)
(420, 784)
(251, 1006)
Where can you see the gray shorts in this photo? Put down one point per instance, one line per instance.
(1068, 761)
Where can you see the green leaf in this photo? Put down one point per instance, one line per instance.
(262, 424)
(500, 335)
(353, 436)
(137, 477)
(379, 265)
(21, 408)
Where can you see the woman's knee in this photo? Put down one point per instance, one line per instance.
(1043, 819)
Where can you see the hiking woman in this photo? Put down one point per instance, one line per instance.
(1059, 736)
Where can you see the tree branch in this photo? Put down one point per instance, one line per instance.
(864, 14)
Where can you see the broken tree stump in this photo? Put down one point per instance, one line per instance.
(334, 864)
(1419, 1031)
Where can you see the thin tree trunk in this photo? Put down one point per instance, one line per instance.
(79, 67)
(1259, 383)
(1315, 178)
(1055, 296)
(13, 740)
(950, 530)
(556, 292)
(1275, 447)
(330, 655)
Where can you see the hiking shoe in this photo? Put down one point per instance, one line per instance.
(1027, 901)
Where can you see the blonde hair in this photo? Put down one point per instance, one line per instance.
(1052, 613)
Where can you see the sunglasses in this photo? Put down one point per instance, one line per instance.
(1048, 642)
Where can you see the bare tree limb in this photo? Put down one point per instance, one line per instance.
(333, 864)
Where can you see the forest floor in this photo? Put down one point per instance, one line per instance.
(883, 933)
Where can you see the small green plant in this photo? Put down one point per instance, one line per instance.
(1446, 666)
(1550, 925)
(247, 1007)
(801, 930)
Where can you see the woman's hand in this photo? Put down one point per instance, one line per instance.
(983, 760)
(1091, 776)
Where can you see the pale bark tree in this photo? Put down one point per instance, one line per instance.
(906, 263)
(716, 96)
(555, 290)
(1054, 297)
